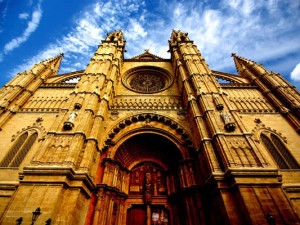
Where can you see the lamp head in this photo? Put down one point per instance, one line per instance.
(36, 214)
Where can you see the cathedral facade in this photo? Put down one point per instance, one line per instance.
(147, 140)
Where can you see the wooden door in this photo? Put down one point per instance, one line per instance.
(136, 215)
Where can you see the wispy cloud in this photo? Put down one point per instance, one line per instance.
(23, 16)
(257, 29)
(31, 27)
(89, 29)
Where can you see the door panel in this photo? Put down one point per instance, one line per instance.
(136, 215)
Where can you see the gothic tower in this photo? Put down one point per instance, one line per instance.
(148, 140)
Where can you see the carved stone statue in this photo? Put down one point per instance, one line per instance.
(72, 116)
(229, 124)
(226, 117)
(68, 125)
(148, 188)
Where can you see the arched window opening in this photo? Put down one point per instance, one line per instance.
(284, 151)
(19, 150)
(279, 152)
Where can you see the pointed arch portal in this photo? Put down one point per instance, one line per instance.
(148, 147)
(144, 182)
(151, 159)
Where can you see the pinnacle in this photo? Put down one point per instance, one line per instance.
(52, 63)
(242, 63)
(239, 62)
(53, 58)
(243, 59)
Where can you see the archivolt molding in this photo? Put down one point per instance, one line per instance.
(37, 126)
(166, 124)
(259, 128)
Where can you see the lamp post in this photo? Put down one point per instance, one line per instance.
(35, 215)
(19, 220)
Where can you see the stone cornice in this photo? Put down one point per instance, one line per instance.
(58, 175)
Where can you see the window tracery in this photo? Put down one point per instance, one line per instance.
(278, 151)
(147, 82)
(19, 149)
(147, 79)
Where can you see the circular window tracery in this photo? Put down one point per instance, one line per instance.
(147, 79)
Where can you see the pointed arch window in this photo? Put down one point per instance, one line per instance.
(19, 150)
(278, 151)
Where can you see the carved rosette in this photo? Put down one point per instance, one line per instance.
(147, 82)
(147, 79)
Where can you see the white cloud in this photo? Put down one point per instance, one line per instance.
(135, 30)
(23, 16)
(90, 28)
(295, 74)
(31, 27)
(259, 30)
(250, 28)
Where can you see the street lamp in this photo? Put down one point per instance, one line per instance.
(19, 221)
(48, 221)
(35, 215)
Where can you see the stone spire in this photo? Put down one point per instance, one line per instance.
(49, 66)
(24, 85)
(281, 93)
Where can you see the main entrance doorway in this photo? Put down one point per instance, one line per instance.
(148, 185)
(153, 163)
(144, 183)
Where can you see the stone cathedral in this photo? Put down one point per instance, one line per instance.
(147, 140)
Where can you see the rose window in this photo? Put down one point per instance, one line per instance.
(147, 79)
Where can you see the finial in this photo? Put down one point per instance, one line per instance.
(146, 50)
(233, 54)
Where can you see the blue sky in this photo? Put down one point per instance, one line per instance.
(266, 31)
